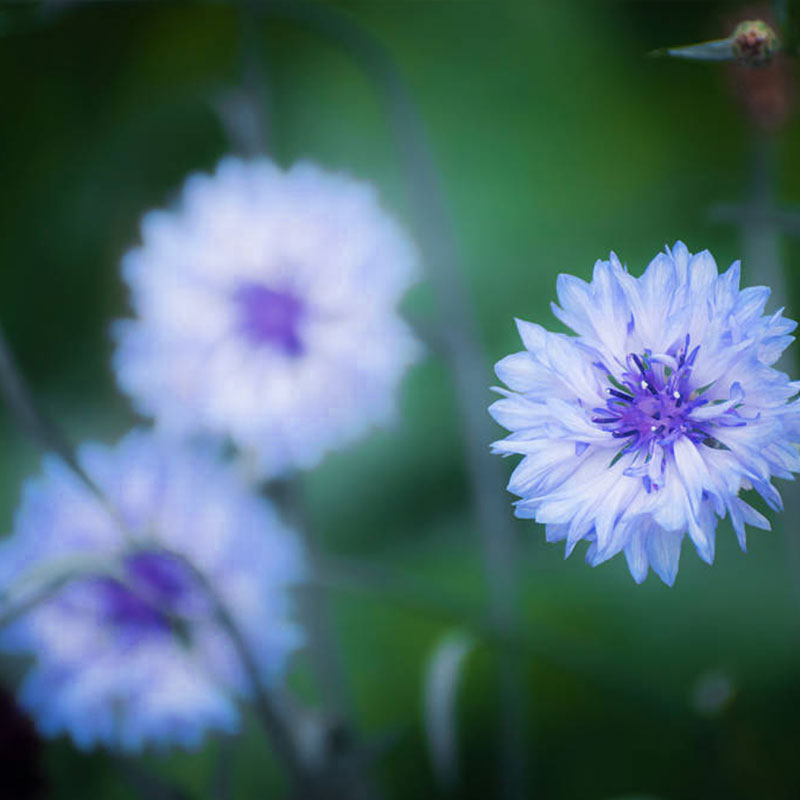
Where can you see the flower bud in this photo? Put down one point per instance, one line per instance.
(754, 42)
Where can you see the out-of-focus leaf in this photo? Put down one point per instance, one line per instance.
(714, 50)
(443, 674)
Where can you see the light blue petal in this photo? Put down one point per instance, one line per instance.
(664, 553)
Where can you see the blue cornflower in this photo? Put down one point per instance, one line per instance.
(131, 653)
(265, 313)
(649, 423)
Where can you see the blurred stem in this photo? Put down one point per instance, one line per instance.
(11, 612)
(780, 8)
(148, 785)
(325, 655)
(246, 118)
(760, 235)
(245, 115)
(20, 402)
(461, 340)
(244, 112)
(272, 720)
(221, 779)
(49, 437)
(345, 764)
(761, 242)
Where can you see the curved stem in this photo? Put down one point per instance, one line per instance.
(343, 768)
(13, 611)
(271, 719)
(343, 760)
(21, 403)
(50, 438)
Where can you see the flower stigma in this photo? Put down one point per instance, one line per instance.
(150, 596)
(653, 404)
(267, 316)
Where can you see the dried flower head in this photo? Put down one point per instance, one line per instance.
(754, 42)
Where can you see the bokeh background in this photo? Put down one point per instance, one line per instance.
(557, 140)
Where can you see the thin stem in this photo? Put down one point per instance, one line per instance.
(48, 436)
(148, 785)
(246, 120)
(221, 780)
(780, 8)
(21, 403)
(244, 111)
(325, 655)
(272, 720)
(461, 340)
(332, 781)
(12, 612)
(251, 140)
(761, 233)
(345, 765)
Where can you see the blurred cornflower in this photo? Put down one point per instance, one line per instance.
(650, 422)
(131, 652)
(266, 312)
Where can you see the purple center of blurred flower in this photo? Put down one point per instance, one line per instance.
(653, 402)
(154, 588)
(270, 317)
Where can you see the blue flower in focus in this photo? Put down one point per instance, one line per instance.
(266, 313)
(649, 423)
(133, 655)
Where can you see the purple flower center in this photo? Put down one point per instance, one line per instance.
(270, 317)
(151, 595)
(653, 402)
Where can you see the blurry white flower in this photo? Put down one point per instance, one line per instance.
(266, 312)
(136, 656)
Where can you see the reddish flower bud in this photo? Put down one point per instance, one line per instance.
(754, 42)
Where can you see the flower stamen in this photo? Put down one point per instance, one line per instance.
(652, 404)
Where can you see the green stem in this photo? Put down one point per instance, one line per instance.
(273, 722)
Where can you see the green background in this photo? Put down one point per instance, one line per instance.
(558, 140)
